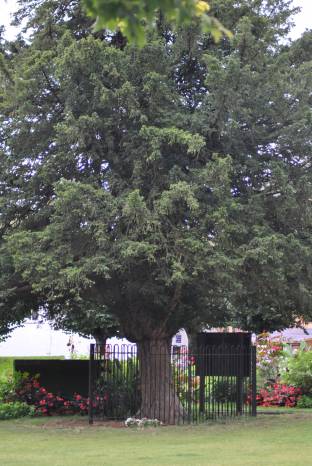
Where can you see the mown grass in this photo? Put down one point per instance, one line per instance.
(6, 367)
(284, 440)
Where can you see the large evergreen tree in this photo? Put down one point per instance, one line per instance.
(169, 186)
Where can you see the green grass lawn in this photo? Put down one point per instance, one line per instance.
(6, 367)
(268, 440)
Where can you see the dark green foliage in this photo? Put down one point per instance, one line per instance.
(224, 391)
(15, 410)
(304, 402)
(163, 187)
(118, 389)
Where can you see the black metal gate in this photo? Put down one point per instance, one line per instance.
(214, 382)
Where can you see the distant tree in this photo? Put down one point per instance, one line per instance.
(169, 185)
(87, 321)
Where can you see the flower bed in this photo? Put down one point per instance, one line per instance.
(279, 395)
(28, 390)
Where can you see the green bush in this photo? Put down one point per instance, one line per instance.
(15, 410)
(224, 391)
(117, 387)
(10, 385)
(304, 402)
(299, 371)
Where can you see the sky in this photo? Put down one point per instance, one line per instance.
(302, 21)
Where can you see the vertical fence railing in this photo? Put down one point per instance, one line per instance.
(254, 381)
(214, 382)
(91, 381)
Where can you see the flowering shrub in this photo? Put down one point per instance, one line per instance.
(271, 354)
(144, 422)
(279, 395)
(185, 379)
(25, 389)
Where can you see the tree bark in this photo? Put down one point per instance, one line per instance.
(101, 343)
(158, 394)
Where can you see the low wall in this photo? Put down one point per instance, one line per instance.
(63, 377)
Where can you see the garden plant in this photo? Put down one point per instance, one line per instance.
(284, 374)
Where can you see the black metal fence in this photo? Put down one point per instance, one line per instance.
(177, 387)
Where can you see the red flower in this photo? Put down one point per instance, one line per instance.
(278, 395)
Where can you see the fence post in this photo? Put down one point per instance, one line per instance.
(91, 364)
(202, 394)
(189, 389)
(239, 381)
(254, 381)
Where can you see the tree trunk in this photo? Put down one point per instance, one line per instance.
(158, 393)
(101, 344)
